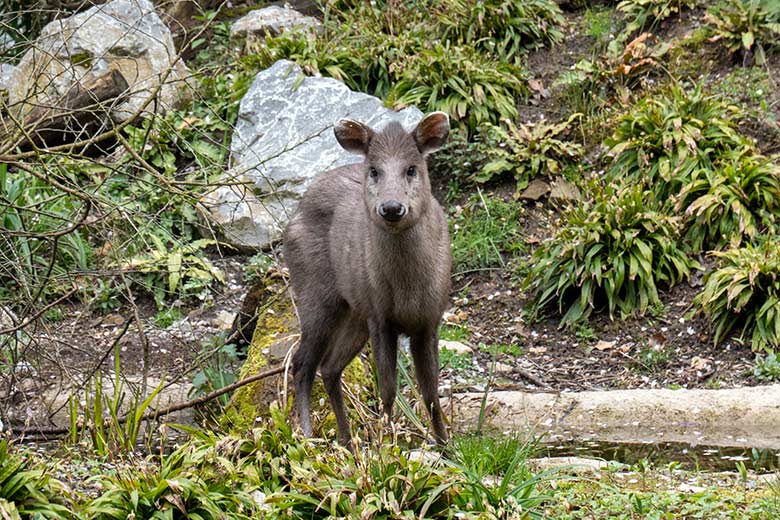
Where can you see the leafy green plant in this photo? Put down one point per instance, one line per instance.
(454, 360)
(219, 372)
(504, 350)
(598, 22)
(181, 269)
(732, 202)
(483, 231)
(387, 49)
(503, 27)
(101, 419)
(621, 68)
(28, 493)
(167, 317)
(650, 359)
(767, 367)
(746, 25)
(469, 86)
(529, 150)
(666, 140)
(257, 266)
(37, 250)
(647, 13)
(184, 486)
(615, 250)
(743, 294)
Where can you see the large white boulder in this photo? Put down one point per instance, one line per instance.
(124, 34)
(283, 138)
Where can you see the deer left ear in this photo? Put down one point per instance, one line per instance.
(432, 132)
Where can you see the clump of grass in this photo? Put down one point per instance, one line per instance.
(503, 27)
(647, 13)
(614, 251)
(465, 62)
(731, 203)
(456, 79)
(742, 294)
(484, 231)
(746, 26)
(666, 140)
(492, 454)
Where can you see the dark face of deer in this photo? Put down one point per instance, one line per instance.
(397, 188)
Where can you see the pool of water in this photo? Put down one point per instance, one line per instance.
(691, 457)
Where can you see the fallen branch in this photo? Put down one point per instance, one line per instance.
(154, 414)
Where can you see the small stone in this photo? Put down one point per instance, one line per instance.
(688, 488)
(535, 190)
(224, 320)
(7, 76)
(112, 320)
(455, 346)
(272, 21)
(7, 318)
(503, 368)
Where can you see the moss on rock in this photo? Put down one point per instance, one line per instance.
(276, 333)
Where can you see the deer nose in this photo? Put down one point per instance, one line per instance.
(392, 210)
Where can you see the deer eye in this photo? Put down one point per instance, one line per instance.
(412, 171)
(373, 173)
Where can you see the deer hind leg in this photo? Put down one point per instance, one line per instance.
(347, 341)
(316, 333)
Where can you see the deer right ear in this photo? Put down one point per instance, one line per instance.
(353, 136)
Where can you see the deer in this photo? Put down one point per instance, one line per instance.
(368, 255)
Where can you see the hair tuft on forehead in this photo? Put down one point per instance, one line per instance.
(393, 141)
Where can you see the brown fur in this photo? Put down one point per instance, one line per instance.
(357, 275)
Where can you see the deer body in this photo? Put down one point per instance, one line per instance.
(369, 257)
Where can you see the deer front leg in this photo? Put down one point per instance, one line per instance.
(384, 344)
(425, 353)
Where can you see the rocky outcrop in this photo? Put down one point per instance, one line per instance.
(272, 21)
(282, 139)
(123, 35)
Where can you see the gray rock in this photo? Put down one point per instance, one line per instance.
(7, 76)
(273, 21)
(123, 34)
(8, 319)
(283, 138)
(455, 346)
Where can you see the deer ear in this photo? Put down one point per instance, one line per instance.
(353, 136)
(431, 133)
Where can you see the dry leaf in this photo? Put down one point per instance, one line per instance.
(604, 345)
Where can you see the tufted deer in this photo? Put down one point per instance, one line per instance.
(369, 256)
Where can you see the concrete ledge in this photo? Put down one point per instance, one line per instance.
(734, 417)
